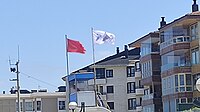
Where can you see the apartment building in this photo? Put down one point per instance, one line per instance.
(179, 50)
(118, 79)
(150, 66)
(34, 102)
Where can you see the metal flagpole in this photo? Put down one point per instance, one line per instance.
(67, 82)
(93, 51)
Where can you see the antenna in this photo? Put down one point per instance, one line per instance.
(18, 53)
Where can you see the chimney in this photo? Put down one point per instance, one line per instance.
(126, 51)
(117, 50)
(195, 6)
(125, 48)
(163, 22)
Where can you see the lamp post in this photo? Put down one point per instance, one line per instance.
(72, 106)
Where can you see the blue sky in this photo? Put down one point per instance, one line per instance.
(39, 26)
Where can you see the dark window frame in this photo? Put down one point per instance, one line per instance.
(111, 105)
(100, 73)
(130, 71)
(109, 73)
(110, 89)
(131, 87)
(132, 104)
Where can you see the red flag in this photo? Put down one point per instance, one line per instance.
(75, 46)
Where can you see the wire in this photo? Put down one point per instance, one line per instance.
(29, 76)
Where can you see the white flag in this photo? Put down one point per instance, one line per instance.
(101, 37)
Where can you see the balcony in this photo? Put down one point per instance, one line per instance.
(147, 97)
(175, 40)
(173, 65)
(83, 96)
(138, 108)
(138, 74)
(139, 91)
(151, 96)
(98, 82)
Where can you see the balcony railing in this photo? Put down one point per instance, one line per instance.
(139, 91)
(138, 74)
(98, 81)
(175, 40)
(172, 65)
(151, 96)
(139, 108)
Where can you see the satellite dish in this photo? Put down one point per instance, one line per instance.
(198, 84)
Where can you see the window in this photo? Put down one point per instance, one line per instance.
(100, 73)
(194, 31)
(111, 105)
(183, 82)
(189, 100)
(61, 105)
(146, 91)
(130, 71)
(109, 73)
(28, 106)
(110, 89)
(137, 66)
(131, 87)
(195, 56)
(181, 79)
(176, 83)
(183, 100)
(101, 89)
(188, 79)
(39, 106)
(132, 104)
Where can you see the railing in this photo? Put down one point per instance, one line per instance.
(138, 74)
(175, 40)
(139, 90)
(172, 65)
(151, 96)
(98, 81)
(139, 108)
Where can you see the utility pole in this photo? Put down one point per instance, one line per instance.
(18, 88)
(16, 70)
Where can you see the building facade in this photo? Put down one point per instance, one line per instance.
(150, 66)
(179, 50)
(118, 79)
(34, 102)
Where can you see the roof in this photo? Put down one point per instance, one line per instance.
(115, 59)
(33, 95)
(119, 61)
(138, 41)
(191, 17)
(81, 76)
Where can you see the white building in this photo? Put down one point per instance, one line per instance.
(34, 102)
(118, 80)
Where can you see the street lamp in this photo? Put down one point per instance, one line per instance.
(72, 106)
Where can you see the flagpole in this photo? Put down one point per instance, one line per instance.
(67, 82)
(93, 52)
